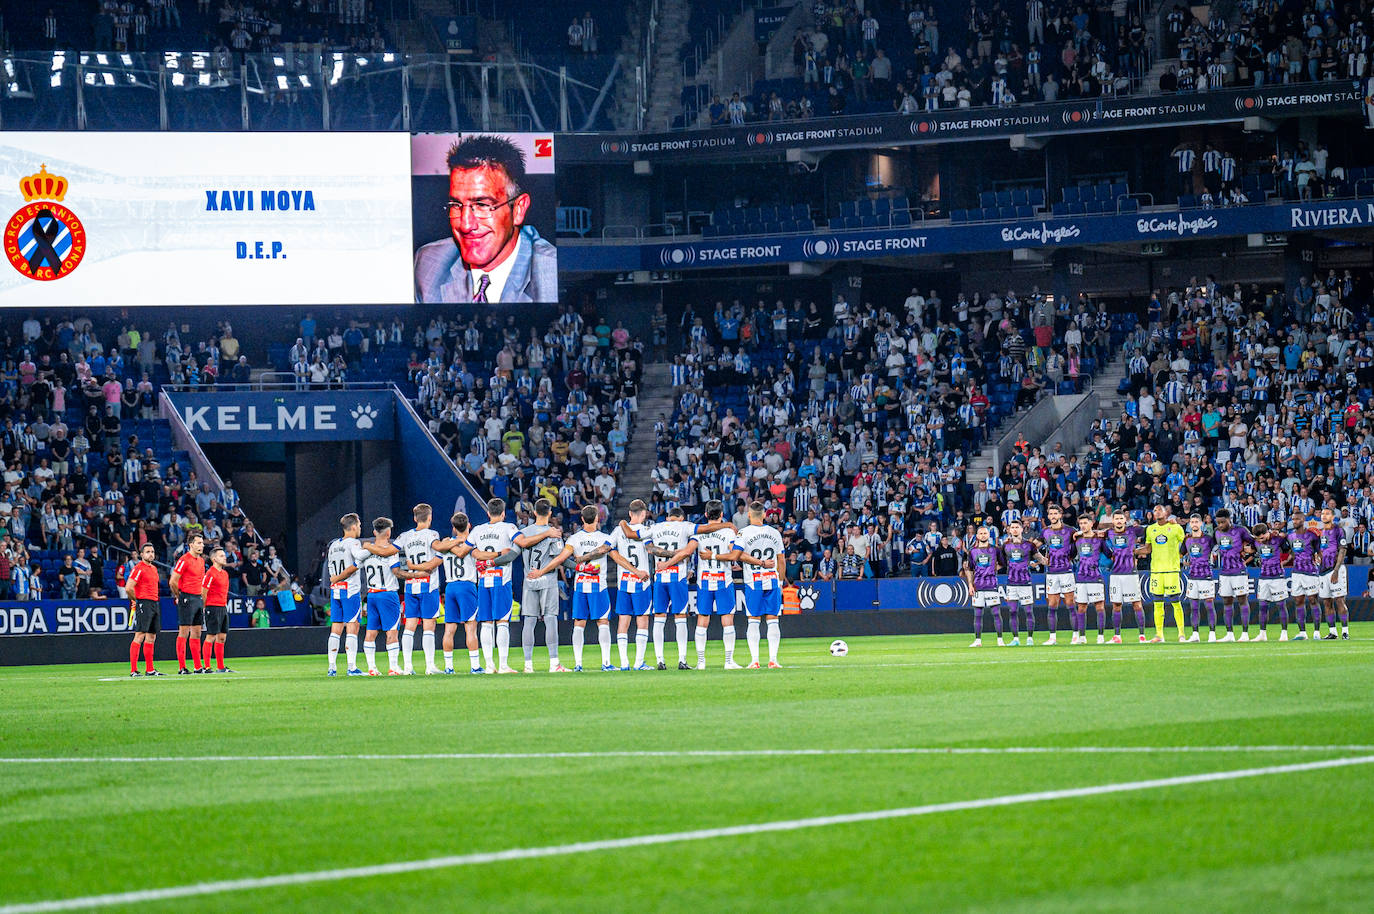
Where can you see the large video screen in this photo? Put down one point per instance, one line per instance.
(484, 210)
(205, 219)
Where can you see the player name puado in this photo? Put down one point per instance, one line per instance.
(237, 201)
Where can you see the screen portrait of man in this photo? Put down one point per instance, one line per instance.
(491, 255)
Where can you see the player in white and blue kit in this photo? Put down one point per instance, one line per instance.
(760, 553)
(589, 548)
(422, 591)
(342, 559)
(460, 592)
(633, 597)
(381, 570)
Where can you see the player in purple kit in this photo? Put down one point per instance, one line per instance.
(1331, 539)
(1233, 583)
(1273, 586)
(1303, 544)
(981, 575)
(1017, 554)
(1089, 588)
(1056, 544)
(1202, 585)
(1122, 544)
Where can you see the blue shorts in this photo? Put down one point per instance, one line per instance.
(632, 603)
(760, 602)
(344, 607)
(494, 603)
(422, 605)
(383, 611)
(719, 602)
(670, 597)
(591, 606)
(460, 602)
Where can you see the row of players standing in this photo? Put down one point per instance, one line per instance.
(1216, 565)
(476, 562)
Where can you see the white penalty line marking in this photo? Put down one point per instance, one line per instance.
(146, 896)
(689, 753)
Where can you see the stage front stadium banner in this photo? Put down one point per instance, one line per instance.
(124, 219)
(1058, 118)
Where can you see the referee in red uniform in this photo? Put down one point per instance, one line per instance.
(216, 610)
(188, 586)
(141, 585)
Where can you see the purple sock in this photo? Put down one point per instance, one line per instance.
(1245, 616)
(1230, 613)
(1116, 622)
(1015, 622)
(1030, 620)
(997, 619)
(977, 622)
(1139, 620)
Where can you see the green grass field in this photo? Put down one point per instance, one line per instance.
(1286, 841)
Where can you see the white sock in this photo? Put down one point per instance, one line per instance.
(427, 639)
(393, 656)
(351, 643)
(603, 634)
(774, 639)
(622, 641)
(333, 650)
(503, 644)
(448, 660)
(475, 658)
(407, 647)
(370, 652)
(751, 635)
(579, 638)
(701, 644)
(641, 645)
(728, 636)
(680, 631)
(658, 639)
(487, 636)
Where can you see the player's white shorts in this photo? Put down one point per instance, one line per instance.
(1233, 585)
(1090, 592)
(1336, 591)
(1059, 584)
(1124, 588)
(1305, 585)
(1023, 594)
(986, 599)
(1273, 590)
(1201, 588)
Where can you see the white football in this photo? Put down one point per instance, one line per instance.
(838, 648)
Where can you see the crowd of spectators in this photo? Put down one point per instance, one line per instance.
(81, 491)
(855, 427)
(530, 409)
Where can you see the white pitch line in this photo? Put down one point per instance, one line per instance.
(146, 896)
(689, 753)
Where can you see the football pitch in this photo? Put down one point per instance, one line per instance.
(914, 774)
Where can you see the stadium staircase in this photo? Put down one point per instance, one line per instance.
(656, 398)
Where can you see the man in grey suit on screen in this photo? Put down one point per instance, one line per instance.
(492, 255)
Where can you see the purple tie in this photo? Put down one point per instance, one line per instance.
(482, 288)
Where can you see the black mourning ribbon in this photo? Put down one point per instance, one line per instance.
(44, 252)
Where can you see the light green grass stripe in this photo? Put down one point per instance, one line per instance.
(527, 853)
